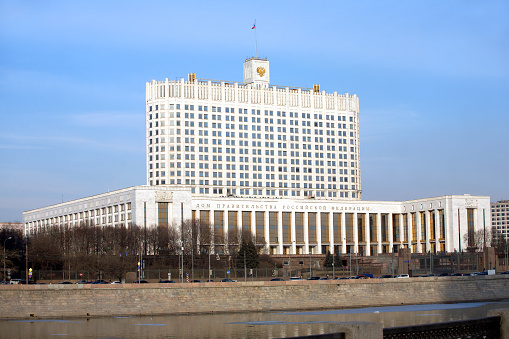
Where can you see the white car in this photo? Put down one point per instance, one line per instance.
(115, 282)
(402, 276)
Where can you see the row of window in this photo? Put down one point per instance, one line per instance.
(254, 151)
(304, 131)
(244, 111)
(270, 192)
(255, 121)
(254, 136)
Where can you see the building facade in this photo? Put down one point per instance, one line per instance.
(280, 162)
(252, 139)
(284, 226)
(500, 219)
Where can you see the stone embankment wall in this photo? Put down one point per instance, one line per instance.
(150, 299)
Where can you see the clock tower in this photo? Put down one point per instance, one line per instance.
(256, 71)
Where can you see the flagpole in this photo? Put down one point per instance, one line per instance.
(255, 38)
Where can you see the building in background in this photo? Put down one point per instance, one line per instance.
(13, 226)
(281, 162)
(500, 219)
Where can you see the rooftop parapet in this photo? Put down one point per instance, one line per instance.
(230, 91)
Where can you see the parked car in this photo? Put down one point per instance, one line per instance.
(166, 282)
(443, 275)
(478, 273)
(17, 282)
(196, 281)
(295, 278)
(386, 276)
(227, 280)
(364, 276)
(82, 282)
(65, 283)
(402, 276)
(140, 282)
(314, 278)
(98, 282)
(277, 279)
(115, 282)
(506, 272)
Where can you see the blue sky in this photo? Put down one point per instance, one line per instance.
(432, 78)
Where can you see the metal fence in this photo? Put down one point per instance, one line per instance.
(474, 328)
(163, 274)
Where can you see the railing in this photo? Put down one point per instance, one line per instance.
(474, 328)
(340, 335)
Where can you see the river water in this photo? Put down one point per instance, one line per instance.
(241, 325)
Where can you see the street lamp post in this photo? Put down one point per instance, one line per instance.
(309, 250)
(350, 261)
(289, 268)
(333, 273)
(290, 251)
(4, 256)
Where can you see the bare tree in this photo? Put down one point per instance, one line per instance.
(232, 242)
(205, 238)
(478, 240)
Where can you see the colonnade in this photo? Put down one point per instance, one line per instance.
(309, 232)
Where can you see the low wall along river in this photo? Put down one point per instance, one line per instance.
(150, 299)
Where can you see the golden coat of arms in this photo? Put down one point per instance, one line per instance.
(261, 71)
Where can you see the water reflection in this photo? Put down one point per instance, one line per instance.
(241, 325)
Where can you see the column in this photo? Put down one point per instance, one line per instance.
(367, 234)
(280, 230)
(319, 232)
(343, 232)
(379, 231)
(355, 233)
(390, 233)
(428, 231)
(418, 225)
(331, 231)
(212, 231)
(225, 228)
(410, 230)
(305, 225)
(293, 238)
(266, 230)
(437, 230)
(401, 239)
(253, 223)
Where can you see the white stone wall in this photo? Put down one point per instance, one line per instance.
(181, 203)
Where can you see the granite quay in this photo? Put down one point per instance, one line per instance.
(55, 300)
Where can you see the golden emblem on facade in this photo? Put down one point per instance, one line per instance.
(261, 71)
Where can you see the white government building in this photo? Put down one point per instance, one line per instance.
(283, 162)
